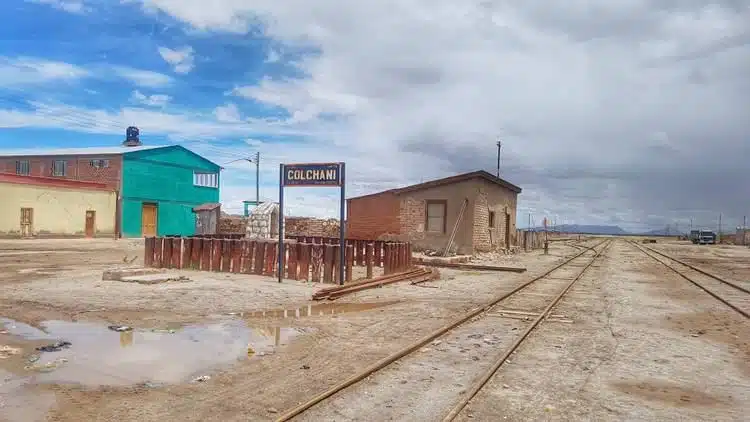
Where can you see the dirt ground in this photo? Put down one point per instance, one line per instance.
(631, 341)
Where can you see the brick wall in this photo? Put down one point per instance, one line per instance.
(502, 202)
(483, 234)
(305, 226)
(415, 203)
(402, 217)
(373, 216)
(412, 218)
(232, 224)
(78, 168)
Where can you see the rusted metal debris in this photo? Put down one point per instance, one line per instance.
(413, 275)
(462, 266)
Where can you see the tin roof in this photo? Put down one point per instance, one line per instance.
(51, 182)
(207, 207)
(76, 151)
(450, 180)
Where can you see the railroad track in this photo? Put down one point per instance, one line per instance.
(729, 293)
(536, 298)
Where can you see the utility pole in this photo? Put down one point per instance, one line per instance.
(257, 178)
(718, 235)
(255, 160)
(691, 224)
(499, 144)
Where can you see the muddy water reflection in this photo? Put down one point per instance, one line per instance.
(319, 309)
(99, 356)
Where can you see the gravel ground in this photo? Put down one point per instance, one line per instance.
(633, 341)
(645, 345)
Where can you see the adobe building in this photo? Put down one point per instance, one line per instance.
(33, 206)
(427, 214)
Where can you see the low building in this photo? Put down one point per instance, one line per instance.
(42, 206)
(263, 221)
(207, 218)
(478, 206)
(157, 186)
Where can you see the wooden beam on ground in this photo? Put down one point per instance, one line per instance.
(461, 266)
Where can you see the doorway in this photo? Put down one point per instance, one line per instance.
(90, 223)
(27, 222)
(507, 230)
(148, 220)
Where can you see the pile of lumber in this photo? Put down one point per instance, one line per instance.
(467, 266)
(415, 275)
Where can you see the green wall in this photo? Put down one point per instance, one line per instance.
(165, 177)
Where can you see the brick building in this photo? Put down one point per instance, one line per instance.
(426, 214)
(157, 187)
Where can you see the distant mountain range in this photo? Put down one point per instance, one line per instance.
(607, 230)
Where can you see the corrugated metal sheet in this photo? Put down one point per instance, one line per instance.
(76, 151)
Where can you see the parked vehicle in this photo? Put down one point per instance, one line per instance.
(707, 237)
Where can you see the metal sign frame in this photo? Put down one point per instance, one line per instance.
(313, 175)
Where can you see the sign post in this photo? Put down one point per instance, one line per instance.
(313, 174)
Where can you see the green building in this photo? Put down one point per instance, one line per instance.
(160, 188)
(157, 186)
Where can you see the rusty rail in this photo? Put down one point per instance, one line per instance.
(704, 272)
(697, 284)
(301, 408)
(482, 381)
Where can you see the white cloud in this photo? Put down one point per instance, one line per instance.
(577, 92)
(273, 56)
(182, 60)
(228, 113)
(178, 125)
(23, 71)
(144, 78)
(70, 6)
(154, 100)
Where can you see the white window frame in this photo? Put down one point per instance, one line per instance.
(206, 179)
(20, 164)
(64, 165)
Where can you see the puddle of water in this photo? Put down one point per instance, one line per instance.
(19, 403)
(320, 309)
(100, 356)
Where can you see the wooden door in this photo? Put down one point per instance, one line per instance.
(90, 223)
(148, 220)
(507, 230)
(27, 222)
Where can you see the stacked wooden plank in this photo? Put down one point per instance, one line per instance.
(415, 275)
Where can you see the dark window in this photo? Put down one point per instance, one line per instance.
(492, 218)
(99, 164)
(435, 216)
(23, 168)
(59, 167)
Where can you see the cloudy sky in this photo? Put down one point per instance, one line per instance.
(635, 113)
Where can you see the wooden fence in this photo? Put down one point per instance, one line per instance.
(304, 260)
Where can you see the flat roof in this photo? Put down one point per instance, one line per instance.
(29, 152)
(52, 182)
(481, 174)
